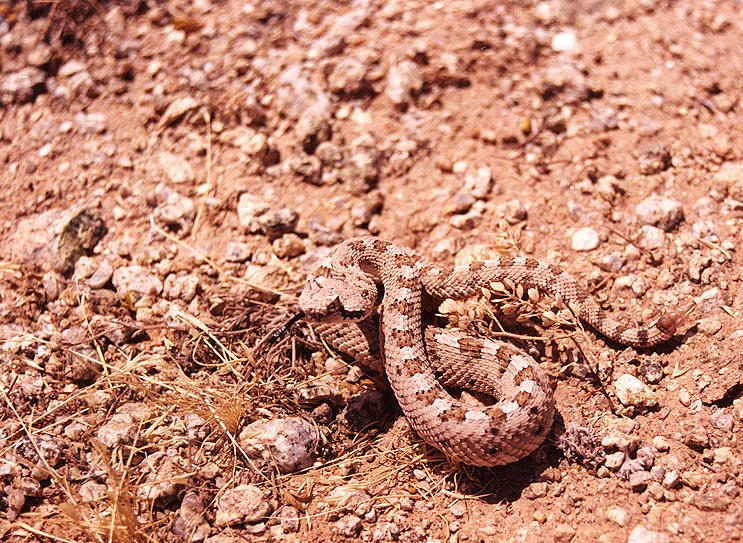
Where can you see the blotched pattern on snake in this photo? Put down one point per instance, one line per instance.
(419, 364)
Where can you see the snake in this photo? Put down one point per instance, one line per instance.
(371, 289)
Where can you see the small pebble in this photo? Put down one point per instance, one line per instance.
(709, 326)
(564, 42)
(174, 210)
(655, 490)
(176, 168)
(661, 444)
(136, 280)
(348, 526)
(177, 109)
(722, 420)
(614, 460)
(564, 533)
(665, 213)
(639, 480)
(290, 443)
(651, 370)
(651, 237)
(22, 86)
(403, 79)
(479, 183)
(697, 438)
(684, 397)
(618, 515)
(242, 504)
(671, 479)
(237, 252)
(640, 534)
(654, 159)
(631, 391)
(585, 239)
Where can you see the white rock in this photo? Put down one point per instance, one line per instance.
(618, 515)
(651, 237)
(640, 534)
(478, 185)
(290, 443)
(730, 172)
(631, 391)
(563, 42)
(249, 208)
(585, 239)
(403, 78)
(176, 168)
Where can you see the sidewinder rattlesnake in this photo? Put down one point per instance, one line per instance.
(344, 289)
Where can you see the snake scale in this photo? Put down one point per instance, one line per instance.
(418, 363)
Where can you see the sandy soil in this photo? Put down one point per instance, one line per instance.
(171, 171)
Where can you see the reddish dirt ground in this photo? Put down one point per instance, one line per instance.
(225, 147)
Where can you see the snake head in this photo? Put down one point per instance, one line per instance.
(327, 298)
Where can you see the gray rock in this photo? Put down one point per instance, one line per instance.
(22, 86)
(101, 276)
(651, 370)
(665, 213)
(190, 522)
(289, 519)
(730, 173)
(92, 491)
(71, 67)
(709, 326)
(278, 222)
(661, 444)
(240, 505)
(671, 479)
(165, 477)
(136, 280)
(313, 127)
(180, 287)
(566, 81)
(121, 428)
(56, 239)
(309, 168)
(722, 420)
(249, 208)
(290, 443)
(348, 526)
(237, 251)
(614, 461)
